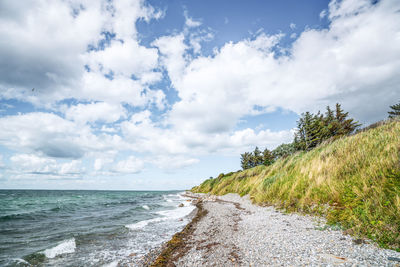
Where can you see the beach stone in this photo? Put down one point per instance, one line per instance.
(237, 233)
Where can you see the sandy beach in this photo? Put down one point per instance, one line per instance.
(231, 231)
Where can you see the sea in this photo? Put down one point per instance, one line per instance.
(87, 228)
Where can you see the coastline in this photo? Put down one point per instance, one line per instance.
(231, 231)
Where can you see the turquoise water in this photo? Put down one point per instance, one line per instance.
(85, 228)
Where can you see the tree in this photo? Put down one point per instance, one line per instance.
(346, 125)
(257, 157)
(309, 131)
(313, 129)
(395, 112)
(245, 160)
(268, 157)
(284, 150)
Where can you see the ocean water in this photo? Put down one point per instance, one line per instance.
(86, 228)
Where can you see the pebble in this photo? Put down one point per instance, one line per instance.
(237, 233)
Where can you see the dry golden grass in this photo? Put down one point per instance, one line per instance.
(354, 182)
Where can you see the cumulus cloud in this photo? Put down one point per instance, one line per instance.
(90, 52)
(45, 42)
(147, 137)
(101, 111)
(172, 49)
(173, 163)
(64, 49)
(129, 165)
(351, 62)
(52, 136)
(33, 164)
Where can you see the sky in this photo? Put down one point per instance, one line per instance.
(161, 95)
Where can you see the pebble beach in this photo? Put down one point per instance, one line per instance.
(235, 232)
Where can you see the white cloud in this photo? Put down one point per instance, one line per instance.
(215, 92)
(101, 111)
(186, 144)
(100, 163)
(45, 42)
(292, 26)
(130, 165)
(33, 164)
(1, 162)
(52, 136)
(355, 60)
(47, 49)
(172, 49)
(123, 58)
(323, 13)
(190, 22)
(173, 163)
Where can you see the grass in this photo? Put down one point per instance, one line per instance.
(354, 182)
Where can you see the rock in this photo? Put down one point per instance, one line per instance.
(181, 205)
(359, 241)
(394, 259)
(333, 259)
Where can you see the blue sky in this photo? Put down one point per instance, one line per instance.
(140, 95)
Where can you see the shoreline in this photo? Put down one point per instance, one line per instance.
(176, 247)
(231, 231)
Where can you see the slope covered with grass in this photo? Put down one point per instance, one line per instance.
(354, 182)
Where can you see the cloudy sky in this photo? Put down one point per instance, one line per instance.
(130, 94)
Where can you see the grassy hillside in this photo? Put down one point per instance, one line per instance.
(354, 182)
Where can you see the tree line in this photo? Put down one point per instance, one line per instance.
(312, 130)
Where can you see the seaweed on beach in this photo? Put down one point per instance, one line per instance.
(177, 246)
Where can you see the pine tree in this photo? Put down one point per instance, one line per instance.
(284, 150)
(330, 126)
(257, 157)
(395, 112)
(313, 129)
(245, 160)
(309, 131)
(346, 126)
(318, 132)
(268, 157)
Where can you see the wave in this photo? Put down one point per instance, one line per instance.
(33, 213)
(111, 264)
(18, 262)
(67, 246)
(177, 213)
(17, 216)
(146, 207)
(174, 214)
(142, 224)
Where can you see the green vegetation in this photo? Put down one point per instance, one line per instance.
(353, 181)
(395, 111)
(312, 130)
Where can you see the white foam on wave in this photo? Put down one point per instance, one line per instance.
(67, 246)
(177, 213)
(17, 261)
(142, 224)
(174, 214)
(146, 207)
(111, 264)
